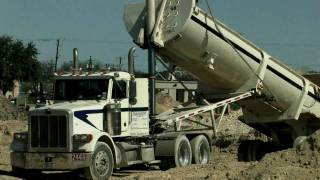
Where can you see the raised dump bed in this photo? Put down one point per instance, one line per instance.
(225, 63)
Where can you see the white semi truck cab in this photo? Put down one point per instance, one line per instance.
(100, 121)
(89, 107)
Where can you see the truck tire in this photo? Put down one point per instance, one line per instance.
(102, 163)
(182, 152)
(253, 150)
(200, 150)
(299, 140)
(242, 151)
(182, 155)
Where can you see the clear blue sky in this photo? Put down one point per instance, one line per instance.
(287, 29)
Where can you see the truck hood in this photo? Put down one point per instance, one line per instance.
(76, 105)
(86, 114)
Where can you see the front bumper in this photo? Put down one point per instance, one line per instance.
(50, 161)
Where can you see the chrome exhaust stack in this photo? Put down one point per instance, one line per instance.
(75, 61)
(131, 60)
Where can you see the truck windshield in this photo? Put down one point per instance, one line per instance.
(82, 89)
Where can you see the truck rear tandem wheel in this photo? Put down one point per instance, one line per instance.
(182, 154)
(200, 150)
(181, 151)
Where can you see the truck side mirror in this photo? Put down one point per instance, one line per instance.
(132, 89)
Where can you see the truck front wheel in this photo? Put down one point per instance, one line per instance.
(101, 166)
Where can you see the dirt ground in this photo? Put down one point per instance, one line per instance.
(301, 162)
(222, 165)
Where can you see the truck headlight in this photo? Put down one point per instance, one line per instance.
(22, 137)
(82, 138)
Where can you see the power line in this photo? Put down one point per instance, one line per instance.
(98, 41)
(277, 44)
(40, 39)
(80, 40)
(280, 44)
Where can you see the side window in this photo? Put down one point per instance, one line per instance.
(119, 90)
(60, 90)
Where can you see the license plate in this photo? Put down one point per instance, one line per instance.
(78, 157)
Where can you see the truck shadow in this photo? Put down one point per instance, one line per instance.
(5, 173)
(124, 172)
(133, 170)
(61, 176)
(45, 176)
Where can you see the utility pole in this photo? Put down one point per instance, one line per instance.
(120, 62)
(57, 55)
(90, 66)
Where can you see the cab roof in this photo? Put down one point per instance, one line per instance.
(93, 75)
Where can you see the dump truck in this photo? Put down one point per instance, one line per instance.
(105, 120)
(100, 120)
(286, 107)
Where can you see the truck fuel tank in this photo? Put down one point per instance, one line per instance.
(112, 119)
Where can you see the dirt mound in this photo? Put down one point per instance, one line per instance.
(230, 125)
(301, 162)
(7, 129)
(164, 102)
(8, 111)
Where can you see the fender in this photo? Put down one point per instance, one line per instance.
(103, 137)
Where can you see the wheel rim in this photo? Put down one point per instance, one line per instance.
(203, 153)
(252, 151)
(184, 155)
(102, 163)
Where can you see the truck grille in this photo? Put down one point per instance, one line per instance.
(48, 131)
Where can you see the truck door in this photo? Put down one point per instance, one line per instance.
(120, 95)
